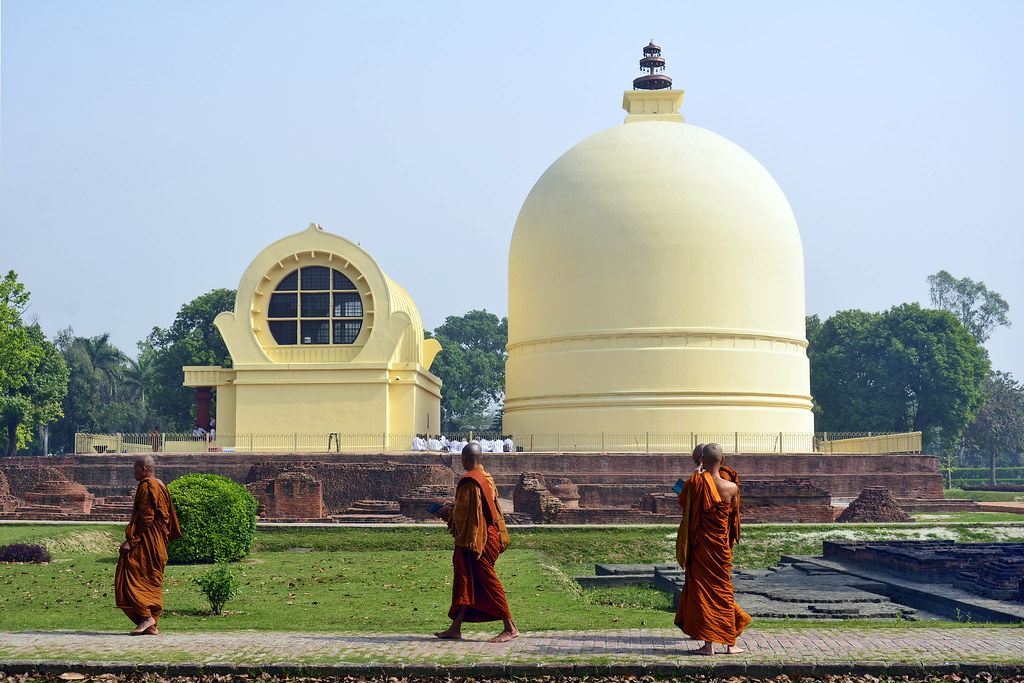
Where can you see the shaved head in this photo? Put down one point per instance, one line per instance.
(471, 456)
(712, 455)
(698, 453)
(146, 461)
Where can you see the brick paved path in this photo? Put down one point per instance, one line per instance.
(637, 646)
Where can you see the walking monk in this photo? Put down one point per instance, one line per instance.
(139, 578)
(710, 528)
(475, 520)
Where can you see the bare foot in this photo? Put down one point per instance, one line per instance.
(504, 636)
(733, 650)
(449, 635)
(144, 626)
(707, 649)
(152, 631)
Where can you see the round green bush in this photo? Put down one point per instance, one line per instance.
(217, 517)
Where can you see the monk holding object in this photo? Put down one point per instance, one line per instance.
(475, 520)
(139, 578)
(709, 529)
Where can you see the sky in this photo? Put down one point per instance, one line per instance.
(149, 150)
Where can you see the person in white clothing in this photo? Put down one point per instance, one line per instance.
(434, 444)
(508, 445)
(419, 443)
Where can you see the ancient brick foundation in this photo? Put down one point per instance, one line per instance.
(789, 500)
(587, 482)
(346, 483)
(874, 504)
(993, 569)
(292, 495)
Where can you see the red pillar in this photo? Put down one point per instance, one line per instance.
(203, 397)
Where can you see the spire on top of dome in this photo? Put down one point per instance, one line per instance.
(652, 62)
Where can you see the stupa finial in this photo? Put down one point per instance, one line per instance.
(652, 62)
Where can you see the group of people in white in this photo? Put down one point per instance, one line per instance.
(439, 443)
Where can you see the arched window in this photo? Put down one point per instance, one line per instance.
(315, 305)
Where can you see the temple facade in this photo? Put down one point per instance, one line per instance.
(321, 342)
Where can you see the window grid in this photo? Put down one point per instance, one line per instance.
(315, 305)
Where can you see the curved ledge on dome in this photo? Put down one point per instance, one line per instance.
(637, 399)
(684, 335)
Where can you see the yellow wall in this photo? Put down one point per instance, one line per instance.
(656, 284)
(379, 384)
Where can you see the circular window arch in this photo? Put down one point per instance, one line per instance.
(315, 305)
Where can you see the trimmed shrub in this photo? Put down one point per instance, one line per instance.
(217, 517)
(22, 552)
(218, 585)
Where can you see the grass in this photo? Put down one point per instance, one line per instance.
(987, 496)
(398, 579)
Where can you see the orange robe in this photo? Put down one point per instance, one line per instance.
(139, 578)
(707, 609)
(480, 536)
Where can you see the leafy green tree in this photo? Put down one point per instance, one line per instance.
(33, 377)
(191, 340)
(104, 395)
(908, 368)
(976, 306)
(18, 357)
(998, 428)
(471, 365)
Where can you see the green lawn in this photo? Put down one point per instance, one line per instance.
(398, 579)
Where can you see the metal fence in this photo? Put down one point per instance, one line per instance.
(648, 442)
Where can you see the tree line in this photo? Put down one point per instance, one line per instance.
(909, 368)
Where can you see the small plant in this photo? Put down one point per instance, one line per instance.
(22, 552)
(218, 585)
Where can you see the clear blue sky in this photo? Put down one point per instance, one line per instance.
(151, 149)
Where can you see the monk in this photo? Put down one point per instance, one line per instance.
(474, 519)
(709, 530)
(728, 473)
(139, 578)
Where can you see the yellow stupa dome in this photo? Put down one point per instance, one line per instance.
(656, 285)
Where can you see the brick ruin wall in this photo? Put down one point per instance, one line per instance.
(345, 483)
(842, 475)
(602, 481)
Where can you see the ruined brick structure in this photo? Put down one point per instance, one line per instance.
(582, 486)
(788, 500)
(345, 483)
(874, 504)
(7, 502)
(292, 495)
(991, 569)
(531, 497)
(416, 505)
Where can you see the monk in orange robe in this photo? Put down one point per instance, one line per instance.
(139, 578)
(474, 519)
(710, 528)
(727, 473)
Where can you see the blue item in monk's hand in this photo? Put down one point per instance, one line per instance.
(434, 507)
(678, 488)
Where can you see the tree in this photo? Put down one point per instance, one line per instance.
(191, 340)
(998, 427)
(908, 368)
(471, 365)
(103, 392)
(975, 305)
(33, 377)
(17, 356)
